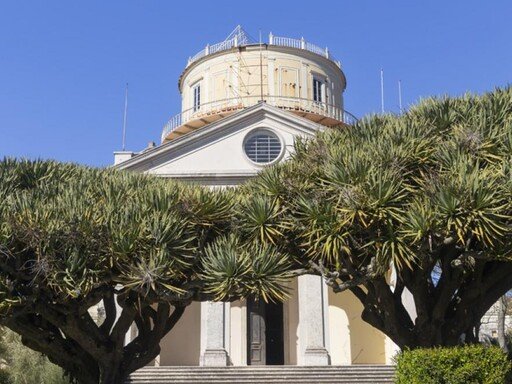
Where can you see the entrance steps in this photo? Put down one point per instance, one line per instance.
(347, 374)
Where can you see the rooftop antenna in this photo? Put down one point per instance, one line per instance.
(261, 71)
(124, 117)
(382, 90)
(400, 95)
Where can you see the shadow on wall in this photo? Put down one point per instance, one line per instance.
(182, 346)
(352, 341)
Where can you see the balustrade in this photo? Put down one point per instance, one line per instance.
(227, 106)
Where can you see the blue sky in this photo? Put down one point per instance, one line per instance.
(64, 64)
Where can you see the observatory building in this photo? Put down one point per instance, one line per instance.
(243, 105)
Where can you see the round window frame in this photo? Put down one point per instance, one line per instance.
(270, 132)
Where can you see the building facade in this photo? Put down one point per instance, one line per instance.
(243, 106)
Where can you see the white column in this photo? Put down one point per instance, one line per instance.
(313, 321)
(214, 334)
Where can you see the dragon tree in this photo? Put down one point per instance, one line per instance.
(415, 204)
(73, 237)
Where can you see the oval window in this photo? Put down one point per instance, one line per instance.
(262, 147)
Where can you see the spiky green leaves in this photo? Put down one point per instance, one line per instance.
(233, 269)
(68, 230)
(393, 189)
(261, 219)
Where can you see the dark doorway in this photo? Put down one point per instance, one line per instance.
(265, 343)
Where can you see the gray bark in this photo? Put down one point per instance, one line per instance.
(502, 312)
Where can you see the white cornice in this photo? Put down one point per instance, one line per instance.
(216, 179)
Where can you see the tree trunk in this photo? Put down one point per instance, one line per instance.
(113, 375)
(447, 314)
(91, 354)
(501, 317)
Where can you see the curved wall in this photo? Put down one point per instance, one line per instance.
(250, 72)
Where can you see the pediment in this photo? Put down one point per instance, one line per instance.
(214, 154)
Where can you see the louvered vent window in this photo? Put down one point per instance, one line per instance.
(262, 147)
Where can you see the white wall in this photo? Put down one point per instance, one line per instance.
(223, 153)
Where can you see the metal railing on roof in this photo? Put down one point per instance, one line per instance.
(240, 38)
(227, 106)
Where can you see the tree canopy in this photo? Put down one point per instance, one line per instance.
(427, 194)
(417, 203)
(72, 237)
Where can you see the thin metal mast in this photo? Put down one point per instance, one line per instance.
(382, 90)
(125, 114)
(261, 71)
(400, 95)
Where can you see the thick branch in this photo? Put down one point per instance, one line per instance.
(66, 353)
(110, 312)
(147, 348)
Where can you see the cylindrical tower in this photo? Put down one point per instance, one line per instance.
(290, 74)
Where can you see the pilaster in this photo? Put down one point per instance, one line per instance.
(313, 321)
(213, 334)
(304, 83)
(270, 78)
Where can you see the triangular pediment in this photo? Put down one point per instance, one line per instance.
(214, 154)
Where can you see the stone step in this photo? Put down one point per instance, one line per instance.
(249, 373)
(237, 371)
(269, 369)
(287, 377)
(350, 374)
(372, 380)
(293, 379)
(256, 380)
(268, 374)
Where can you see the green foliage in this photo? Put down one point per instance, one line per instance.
(241, 270)
(472, 364)
(392, 187)
(73, 228)
(72, 236)
(427, 193)
(431, 188)
(85, 226)
(24, 366)
(5, 378)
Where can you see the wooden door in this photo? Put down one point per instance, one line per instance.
(256, 345)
